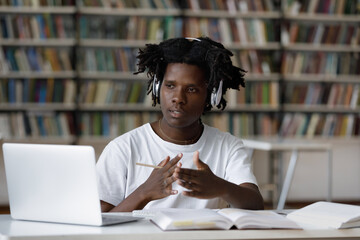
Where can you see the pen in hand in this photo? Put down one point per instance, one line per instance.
(147, 165)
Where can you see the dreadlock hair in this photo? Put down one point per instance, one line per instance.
(210, 56)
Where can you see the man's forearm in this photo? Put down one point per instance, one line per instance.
(246, 196)
(136, 200)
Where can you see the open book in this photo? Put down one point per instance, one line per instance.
(220, 219)
(327, 215)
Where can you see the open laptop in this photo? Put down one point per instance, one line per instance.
(55, 183)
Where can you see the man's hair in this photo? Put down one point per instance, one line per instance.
(210, 56)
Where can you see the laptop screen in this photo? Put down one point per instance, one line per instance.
(55, 183)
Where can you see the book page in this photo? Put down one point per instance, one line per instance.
(257, 219)
(190, 219)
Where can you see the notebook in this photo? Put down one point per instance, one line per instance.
(55, 183)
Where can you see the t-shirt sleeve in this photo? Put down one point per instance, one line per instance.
(111, 174)
(238, 169)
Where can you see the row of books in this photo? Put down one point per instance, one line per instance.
(112, 124)
(232, 6)
(130, 28)
(258, 62)
(37, 91)
(337, 7)
(124, 59)
(36, 124)
(153, 4)
(244, 124)
(331, 94)
(37, 3)
(39, 26)
(322, 125)
(323, 33)
(243, 31)
(107, 59)
(259, 93)
(320, 63)
(101, 92)
(36, 59)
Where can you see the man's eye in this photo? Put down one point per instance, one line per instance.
(169, 85)
(191, 90)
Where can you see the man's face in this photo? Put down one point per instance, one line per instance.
(183, 94)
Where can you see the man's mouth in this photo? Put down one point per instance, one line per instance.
(176, 113)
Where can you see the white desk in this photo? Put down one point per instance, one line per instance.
(145, 230)
(295, 148)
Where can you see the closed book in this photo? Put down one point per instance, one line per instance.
(327, 215)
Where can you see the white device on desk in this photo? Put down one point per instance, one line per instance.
(54, 183)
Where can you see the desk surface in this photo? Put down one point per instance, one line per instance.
(144, 229)
(287, 145)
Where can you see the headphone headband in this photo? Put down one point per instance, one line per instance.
(191, 38)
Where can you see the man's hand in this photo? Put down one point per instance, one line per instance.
(159, 183)
(201, 183)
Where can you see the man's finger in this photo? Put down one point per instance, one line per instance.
(174, 161)
(164, 162)
(198, 163)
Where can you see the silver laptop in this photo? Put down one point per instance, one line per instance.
(55, 183)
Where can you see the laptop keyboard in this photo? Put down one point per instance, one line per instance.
(112, 219)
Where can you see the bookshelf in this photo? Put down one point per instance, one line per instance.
(321, 69)
(66, 66)
(37, 86)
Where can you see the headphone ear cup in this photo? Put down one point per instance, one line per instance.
(216, 95)
(156, 89)
(213, 97)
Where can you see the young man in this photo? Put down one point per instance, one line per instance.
(198, 166)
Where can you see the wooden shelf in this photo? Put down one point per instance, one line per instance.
(121, 107)
(318, 17)
(37, 10)
(112, 43)
(129, 11)
(319, 108)
(252, 108)
(322, 78)
(321, 47)
(59, 74)
(230, 14)
(37, 107)
(265, 46)
(45, 140)
(38, 42)
(112, 75)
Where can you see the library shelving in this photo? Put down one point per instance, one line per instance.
(320, 69)
(73, 63)
(37, 86)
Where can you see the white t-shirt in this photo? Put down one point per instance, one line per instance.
(118, 176)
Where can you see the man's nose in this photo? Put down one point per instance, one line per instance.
(179, 96)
